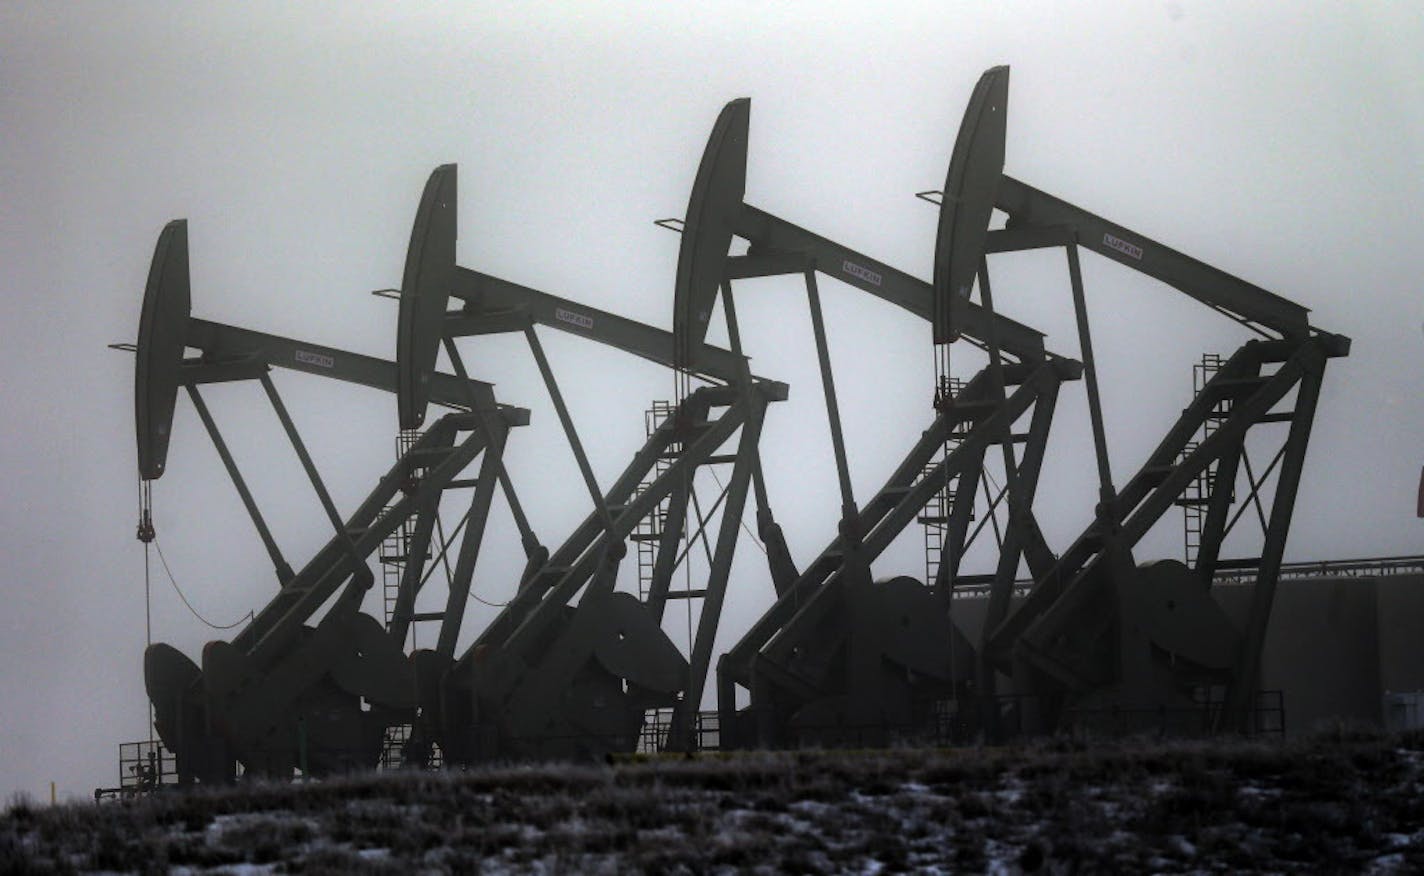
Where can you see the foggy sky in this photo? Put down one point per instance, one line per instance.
(1284, 146)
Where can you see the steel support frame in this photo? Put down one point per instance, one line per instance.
(681, 732)
(413, 575)
(1024, 638)
(828, 386)
(230, 353)
(284, 569)
(1241, 690)
(274, 647)
(458, 595)
(374, 519)
(268, 640)
(576, 566)
(344, 555)
(756, 662)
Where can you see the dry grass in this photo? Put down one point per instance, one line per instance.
(1342, 801)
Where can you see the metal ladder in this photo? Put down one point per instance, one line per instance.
(395, 549)
(1194, 498)
(934, 519)
(650, 528)
(653, 736)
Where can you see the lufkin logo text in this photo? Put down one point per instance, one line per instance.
(865, 274)
(1123, 246)
(572, 318)
(320, 360)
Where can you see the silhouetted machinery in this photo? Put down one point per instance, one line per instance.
(284, 691)
(548, 677)
(1100, 635)
(572, 666)
(841, 657)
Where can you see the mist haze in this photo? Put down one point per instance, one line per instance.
(1285, 146)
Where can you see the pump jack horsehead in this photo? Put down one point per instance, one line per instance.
(284, 693)
(548, 677)
(1100, 634)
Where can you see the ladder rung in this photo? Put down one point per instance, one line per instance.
(1278, 417)
(427, 616)
(463, 483)
(645, 536)
(686, 594)
(932, 518)
(720, 459)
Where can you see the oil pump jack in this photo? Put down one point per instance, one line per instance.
(841, 657)
(571, 666)
(1099, 633)
(548, 677)
(284, 693)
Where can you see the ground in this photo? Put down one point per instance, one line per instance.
(1346, 800)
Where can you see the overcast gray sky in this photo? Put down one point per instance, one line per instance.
(1283, 144)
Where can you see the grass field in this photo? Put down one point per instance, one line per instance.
(1343, 801)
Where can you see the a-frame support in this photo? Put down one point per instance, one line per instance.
(764, 660)
(1054, 611)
